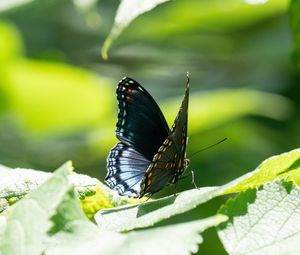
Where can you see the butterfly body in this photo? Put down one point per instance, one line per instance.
(149, 155)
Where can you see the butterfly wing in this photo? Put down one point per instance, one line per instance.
(126, 168)
(168, 163)
(141, 123)
(141, 128)
(179, 131)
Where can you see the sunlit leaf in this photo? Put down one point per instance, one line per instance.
(58, 90)
(10, 44)
(185, 16)
(23, 227)
(83, 237)
(263, 221)
(128, 10)
(145, 214)
(163, 240)
(129, 217)
(286, 165)
(72, 233)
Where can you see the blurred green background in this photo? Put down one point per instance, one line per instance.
(57, 96)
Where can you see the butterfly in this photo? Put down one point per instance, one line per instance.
(149, 155)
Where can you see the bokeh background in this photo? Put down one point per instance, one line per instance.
(57, 95)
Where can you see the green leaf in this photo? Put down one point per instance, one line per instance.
(183, 16)
(286, 165)
(83, 237)
(65, 87)
(263, 221)
(10, 45)
(73, 234)
(129, 217)
(176, 239)
(295, 25)
(94, 195)
(23, 227)
(127, 11)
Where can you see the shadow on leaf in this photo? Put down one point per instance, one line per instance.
(294, 166)
(151, 206)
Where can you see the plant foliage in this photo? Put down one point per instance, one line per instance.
(48, 218)
(263, 221)
(72, 214)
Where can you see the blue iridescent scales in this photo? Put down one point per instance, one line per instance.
(149, 155)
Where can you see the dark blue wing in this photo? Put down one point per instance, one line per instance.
(141, 123)
(126, 168)
(168, 163)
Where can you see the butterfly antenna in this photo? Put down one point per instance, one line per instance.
(206, 148)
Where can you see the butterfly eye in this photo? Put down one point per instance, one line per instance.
(186, 162)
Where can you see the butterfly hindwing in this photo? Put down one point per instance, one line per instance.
(169, 162)
(141, 123)
(126, 168)
(161, 170)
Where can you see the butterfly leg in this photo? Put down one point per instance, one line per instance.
(148, 198)
(175, 190)
(193, 179)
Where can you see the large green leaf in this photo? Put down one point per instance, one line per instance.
(181, 17)
(174, 239)
(125, 218)
(263, 221)
(73, 234)
(82, 237)
(23, 227)
(58, 90)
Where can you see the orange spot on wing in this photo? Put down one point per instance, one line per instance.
(180, 163)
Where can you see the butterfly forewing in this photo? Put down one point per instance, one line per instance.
(141, 123)
(141, 128)
(168, 163)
